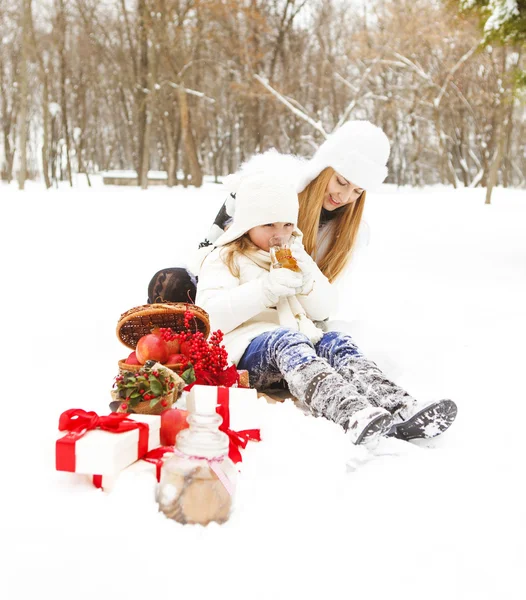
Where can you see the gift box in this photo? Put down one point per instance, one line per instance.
(229, 401)
(149, 466)
(104, 445)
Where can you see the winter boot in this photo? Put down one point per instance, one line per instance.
(325, 393)
(424, 421)
(369, 424)
(374, 385)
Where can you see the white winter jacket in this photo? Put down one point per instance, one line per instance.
(236, 305)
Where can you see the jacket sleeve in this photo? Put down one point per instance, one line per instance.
(321, 302)
(220, 223)
(228, 302)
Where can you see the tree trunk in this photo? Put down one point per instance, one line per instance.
(143, 155)
(188, 139)
(23, 125)
(495, 165)
(170, 145)
(63, 96)
(45, 121)
(501, 118)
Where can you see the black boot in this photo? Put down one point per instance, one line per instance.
(426, 422)
(325, 393)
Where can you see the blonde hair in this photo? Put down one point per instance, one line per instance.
(345, 228)
(243, 245)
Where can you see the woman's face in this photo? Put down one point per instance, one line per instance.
(261, 234)
(339, 192)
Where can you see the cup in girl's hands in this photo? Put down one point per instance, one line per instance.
(280, 253)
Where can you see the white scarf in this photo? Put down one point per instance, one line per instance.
(291, 313)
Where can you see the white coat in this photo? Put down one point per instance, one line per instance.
(236, 305)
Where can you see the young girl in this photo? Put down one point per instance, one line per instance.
(267, 317)
(331, 187)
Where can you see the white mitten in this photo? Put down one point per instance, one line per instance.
(279, 283)
(306, 264)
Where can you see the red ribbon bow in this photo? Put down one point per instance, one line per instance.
(78, 422)
(238, 439)
(156, 457)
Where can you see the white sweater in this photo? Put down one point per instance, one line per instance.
(236, 305)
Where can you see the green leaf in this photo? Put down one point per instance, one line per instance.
(135, 395)
(135, 401)
(188, 376)
(154, 402)
(128, 393)
(155, 386)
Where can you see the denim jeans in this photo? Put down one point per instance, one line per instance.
(271, 355)
(280, 354)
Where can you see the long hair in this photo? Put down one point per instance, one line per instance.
(243, 245)
(345, 227)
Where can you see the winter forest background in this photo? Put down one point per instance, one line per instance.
(195, 87)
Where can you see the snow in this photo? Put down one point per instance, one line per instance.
(501, 11)
(437, 300)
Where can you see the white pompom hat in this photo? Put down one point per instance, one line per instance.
(358, 150)
(261, 198)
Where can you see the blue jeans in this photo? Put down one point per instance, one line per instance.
(347, 380)
(273, 354)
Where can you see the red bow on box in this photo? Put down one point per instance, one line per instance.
(156, 457)
(78, 422)
(238, 439)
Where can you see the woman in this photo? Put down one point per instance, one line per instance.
(331, 188)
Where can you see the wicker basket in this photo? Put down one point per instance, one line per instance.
(144, 408)
(124, 366)
(140, 321)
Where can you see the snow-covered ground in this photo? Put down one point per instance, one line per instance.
(437, 299)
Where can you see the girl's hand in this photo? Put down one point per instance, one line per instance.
(280, 282)
(306, 264)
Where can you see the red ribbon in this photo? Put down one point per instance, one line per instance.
(78, 422)
(238, 439)
(156, 456)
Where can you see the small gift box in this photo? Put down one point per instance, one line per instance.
(104, 445)
(149, 466)
(226, 398)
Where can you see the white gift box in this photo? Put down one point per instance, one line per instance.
(106, 453)
(141, 469)
(240, 404)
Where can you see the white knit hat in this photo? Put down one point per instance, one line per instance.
(261, 198)
(358, 151)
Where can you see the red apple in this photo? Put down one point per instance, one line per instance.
(174, 347)
(173, 421)
(185, 348)
(176, 359)
(132, 359)
(151, 347)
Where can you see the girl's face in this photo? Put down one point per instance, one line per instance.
(261, 234)
(339, 192)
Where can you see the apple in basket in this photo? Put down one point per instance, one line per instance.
(151, 347)
(174, 347)
(132, 359)
(173, 420)
(176, 359)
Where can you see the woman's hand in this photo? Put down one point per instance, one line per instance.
(280, 282)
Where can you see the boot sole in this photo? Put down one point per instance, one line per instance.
(376, 428)
(427, 423)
